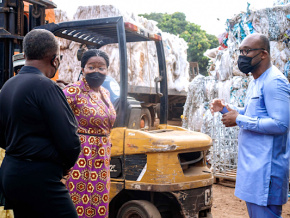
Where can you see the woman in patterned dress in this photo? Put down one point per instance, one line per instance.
(89, 179)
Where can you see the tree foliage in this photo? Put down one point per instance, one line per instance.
(197, 39)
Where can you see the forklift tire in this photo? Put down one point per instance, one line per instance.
(138, 209)
(145, 119)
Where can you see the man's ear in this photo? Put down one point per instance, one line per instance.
(52, 62)
(265, 54)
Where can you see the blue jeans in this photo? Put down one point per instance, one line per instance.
(270, 211)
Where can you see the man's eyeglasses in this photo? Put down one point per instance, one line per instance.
(246, 51)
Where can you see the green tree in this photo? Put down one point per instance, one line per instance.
(197, 39)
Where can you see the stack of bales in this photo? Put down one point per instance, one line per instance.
(227, 82)
(142, 56)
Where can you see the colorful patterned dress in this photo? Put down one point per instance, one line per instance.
(89, 180)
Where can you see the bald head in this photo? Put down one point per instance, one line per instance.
(256, 40)
(39, 44)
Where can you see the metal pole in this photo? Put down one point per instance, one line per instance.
(123, 71)
(163, 83)
(10, 64)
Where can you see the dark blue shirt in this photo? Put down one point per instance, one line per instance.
(36, 122)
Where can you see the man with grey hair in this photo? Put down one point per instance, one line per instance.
(263, 156)
(38, 131)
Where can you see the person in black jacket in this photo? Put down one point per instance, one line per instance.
(38, 131)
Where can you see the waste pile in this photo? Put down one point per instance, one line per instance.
(227, 82)
(281, 2)
(142, 56)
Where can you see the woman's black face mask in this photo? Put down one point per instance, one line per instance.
(245, 63)
(95, 79)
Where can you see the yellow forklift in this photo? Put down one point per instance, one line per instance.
(156, 173)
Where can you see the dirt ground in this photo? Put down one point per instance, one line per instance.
(227, 205)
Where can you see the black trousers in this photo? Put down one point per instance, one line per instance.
(33, 189)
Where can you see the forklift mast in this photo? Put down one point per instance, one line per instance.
(14, 24)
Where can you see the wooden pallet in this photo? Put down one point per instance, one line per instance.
(229, 174)
(228, 178)
(225, 182)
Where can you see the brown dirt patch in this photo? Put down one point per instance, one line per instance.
(227, 205)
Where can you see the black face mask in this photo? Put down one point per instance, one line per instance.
(56, 68)
(245, 63)
(95, 79)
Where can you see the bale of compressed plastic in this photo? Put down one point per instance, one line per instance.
(272, 22)
(61, 16)
(141, 56)
(194, 105)
(224, 65)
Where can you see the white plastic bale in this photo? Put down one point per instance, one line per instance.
(218, 64)
(283, 56)
(194, 105)
(281, 20)
(238, 97)
(212, 72)
(246, 18)
(113, 52)
(177, 66)
(267, 20)
(210, 88)
(287, 53)
(225, 66)
(271, 22)
(197, 118)
(142, 57)
(278, 54)
(170, 61)
(61, 16)
(224, 90)
(207, 122)
(237, 82)
(280, 2)
(211, 53)
(261, 23)
(71, 69)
